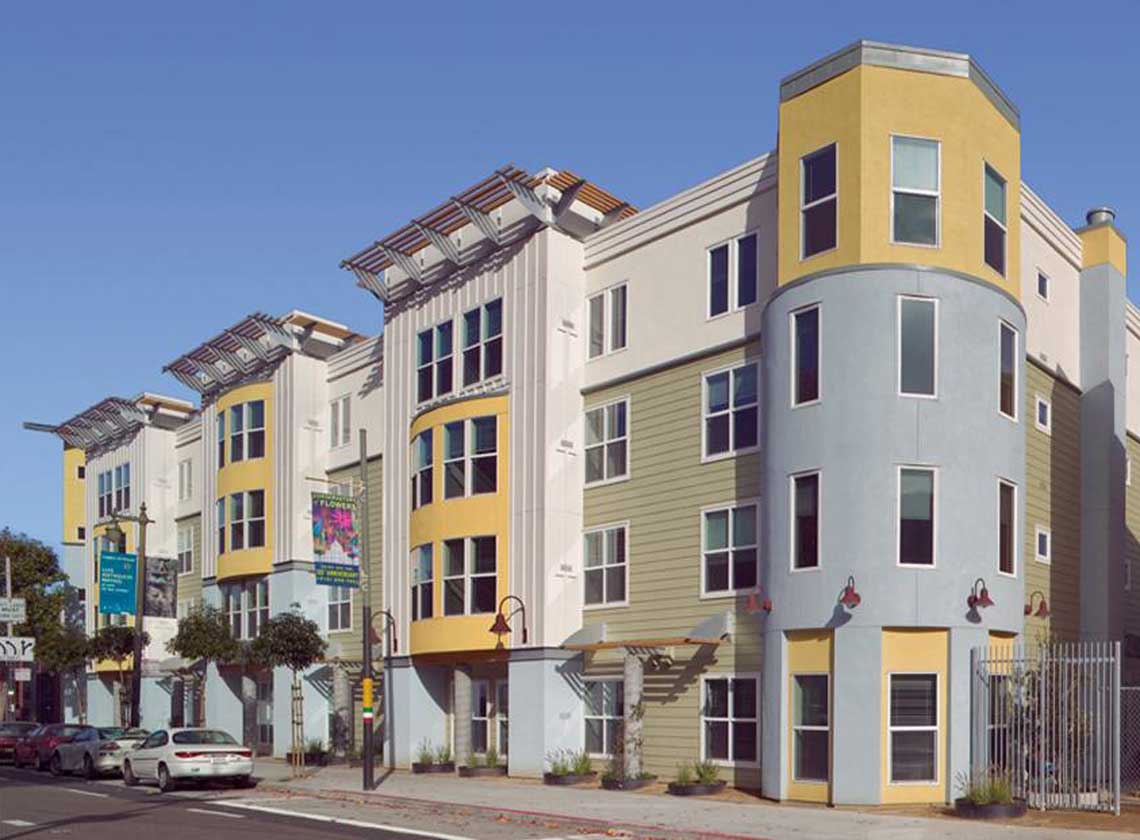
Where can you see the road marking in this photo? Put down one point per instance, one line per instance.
(216, 813)
(86, 792)
(436, 835)
(18, 823)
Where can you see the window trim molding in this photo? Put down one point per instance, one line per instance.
(899, 392)
(1048, 296)
(602, 529)
(1047, 558)
(602, 406)
(1016, 416)
(468, 575)
(793, 355)
(705, 594)
(933, 469)
(936, 195)
(733, 279)
(351, 609)
(792, 568)
(336, 408)
(601, 678)
(1047, 427)
(189, 531)
(1013, 526)
(818, 201)
(986, 165)
(756, 677)
(937, 730)
(731, 452)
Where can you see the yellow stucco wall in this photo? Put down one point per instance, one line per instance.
(809, 652)
(472, 516)
(248, 474)
(921, 651)
(1104, 244)
(74, 494)
(860, 110)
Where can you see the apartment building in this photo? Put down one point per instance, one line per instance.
(774, 454)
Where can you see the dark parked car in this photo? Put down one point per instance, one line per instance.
(36, 748)
(10, 733)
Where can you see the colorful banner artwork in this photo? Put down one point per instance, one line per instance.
(336, 541)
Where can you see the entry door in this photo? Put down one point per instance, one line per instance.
(264, 734)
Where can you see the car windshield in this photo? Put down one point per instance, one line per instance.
(204, 736)
(110, 733)
(17, 728)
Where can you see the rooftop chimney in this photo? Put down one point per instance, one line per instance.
(1100, 216)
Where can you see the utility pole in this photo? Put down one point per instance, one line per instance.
(366, 619)
(12, 698)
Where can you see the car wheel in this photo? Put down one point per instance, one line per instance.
(55, 764)
(129, 777)
(89, 771)
(165, 780)
(41, 764)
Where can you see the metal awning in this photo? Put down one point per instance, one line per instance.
(106, 421)
(712, 631)
(233, 354)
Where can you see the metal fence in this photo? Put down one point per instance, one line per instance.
(1046, 718)
(1130, 741)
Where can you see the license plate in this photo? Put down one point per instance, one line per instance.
(220, 759)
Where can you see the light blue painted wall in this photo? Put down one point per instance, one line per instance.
(546, 703)
(417, 697)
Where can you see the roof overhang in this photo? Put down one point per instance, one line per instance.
(713, 630)
(234, 354)
(115, 419)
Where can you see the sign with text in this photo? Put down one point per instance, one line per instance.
(17, 649)
(22, 674)
(117, 582)
(336, 542)
(13, 610)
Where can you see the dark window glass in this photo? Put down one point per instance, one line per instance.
(806, 535)
(819, 204)
(1006, 516)
(916, 517)
(1008, 371)
(806, 351)
(819, 174)
(917, 332)
(718, 280)
(747, 270)
(916, 219)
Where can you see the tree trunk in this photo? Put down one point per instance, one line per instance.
(298, 721)
(632, 713)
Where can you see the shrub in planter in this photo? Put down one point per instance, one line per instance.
(489, 766)
(569, 768)
(429, 760)
(617, 777)
(701, 778)
(987, 796)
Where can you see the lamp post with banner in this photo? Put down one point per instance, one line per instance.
(115, 534)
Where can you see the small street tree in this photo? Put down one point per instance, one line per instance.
(204, 636)
(291, 640)
(64, 651)
(117, 643)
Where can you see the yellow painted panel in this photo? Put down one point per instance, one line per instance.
(450, 634)
(809, 652)
(74, 499)
(1104, 244)
(925, 651)
(248, 474)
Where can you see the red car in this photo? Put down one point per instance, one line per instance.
(36, 747)
(10, 733)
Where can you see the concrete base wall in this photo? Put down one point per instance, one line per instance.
(100, 702)
(857, 716)
(418, 704)
(155, 703)
(546, 703)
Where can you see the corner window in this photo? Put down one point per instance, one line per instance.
(805, 356)
(247, 430)
(1043, 286)
(604, 574)
(914, 728)
(731, 558)
(818, 202)
(469, 576)
(422, 469)
(421, 582)
(1043, 545)
(1043, 415)
(435, 369)
(811, 728)
(994, 220)
(470, 457)
(340, 608)
(483, 342)
(916, 516)
(340, 422)
(603, 713)
(606, 314)
(805, 520)
(918, 347)
(185, 551)
(1007, 394)
(1007, 527)
(607, 442)
(734, 274)
(730, 719)
(731, 411)
(915, 187)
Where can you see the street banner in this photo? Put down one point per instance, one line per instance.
(160, 607)
(17, 649)
(13, 610)
(117, 582)
(336, 541)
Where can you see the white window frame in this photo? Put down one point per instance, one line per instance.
(246, 431)
(185, 479)
(246, 519)
(617, 720)
(481, 344)
(986, 215)
(122, 482)
(185, 550)
(733, 278)
(1005, 325)
(899, 347)
(336, 601)
(732, 718)
(606, 442)
(607, 295)
(436, 360)
(732, 451)
(245, 595)
(1040, 531)
(604, 531)
(340, 422)
(1041, 275)
(793, 354)
(936, 729)
(469, 457)
(220, 535)
(935, 194)
(220, 431)
(733, 590)
(1013, 527)
(468, 576)
(930, 468)
(419, 471)
(811, 727)
(792, 520)
(1047, 426)
(105, 494)
(829, 197)
(417, 584)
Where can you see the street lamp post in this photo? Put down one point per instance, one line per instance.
(115, 534)
(390, 645)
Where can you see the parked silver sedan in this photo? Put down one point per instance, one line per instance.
(95, 750)
(177, 755)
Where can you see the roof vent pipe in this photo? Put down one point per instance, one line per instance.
(1100, 216)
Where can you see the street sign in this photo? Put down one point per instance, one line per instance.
(22, 674)
(17, 649)
(13, 610)
(117, 582)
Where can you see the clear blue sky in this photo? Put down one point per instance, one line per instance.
(166, 169)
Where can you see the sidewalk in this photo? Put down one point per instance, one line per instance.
(730, 815)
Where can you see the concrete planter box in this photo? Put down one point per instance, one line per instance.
(445, 767)
(696, 789)
(993, 811)
(310, 759)
(480, 772)
(568, 778)
(617, 783)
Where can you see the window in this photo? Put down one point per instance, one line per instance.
(106, 494)
(340, 608)
(220, 513)
(604, 576)
(470, 584)
(606, 314)
(733, 289)
(470, 457)
(918, 347)
(122, 487)
(731, 559)
(421, 582)
(185, 551)
(1043, 415)
(480, 715)
(1008, 386)
(422, 469)
(914, 727)
(435, 369)
(994, 220)
(1043, 545)
(1007, 528)
(246, 606)
(185, 479)
(915, 176)
(80, 533)
(81, 472)
(1043, 286)
(221, 429)
(805, 356)
(916, 516)
(454, 460)
(247, 520)
(732, 411)
(603, 713)
(730, 719)
(811, 727)
(340, 421)
(805, 521)
(483, 342)
(819, 201)
(247, 430)
(607, 439)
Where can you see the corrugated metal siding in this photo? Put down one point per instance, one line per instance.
(1053, 500)
(662, 500)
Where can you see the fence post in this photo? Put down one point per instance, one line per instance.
(1116, 724)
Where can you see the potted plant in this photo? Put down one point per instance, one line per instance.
(987, 796)
(701, 778)
(569, 768)
(488, 766)
(429, 760)
(617, 775)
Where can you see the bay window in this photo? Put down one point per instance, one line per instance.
(247, 520)
(421, 582)
(470, 457)
(247, 430)
(470, 583)
(422, 469)
(246, 606)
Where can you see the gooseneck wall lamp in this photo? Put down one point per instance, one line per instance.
(502, 625)
(1042, 607)
(979, 595)
(849, 597)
